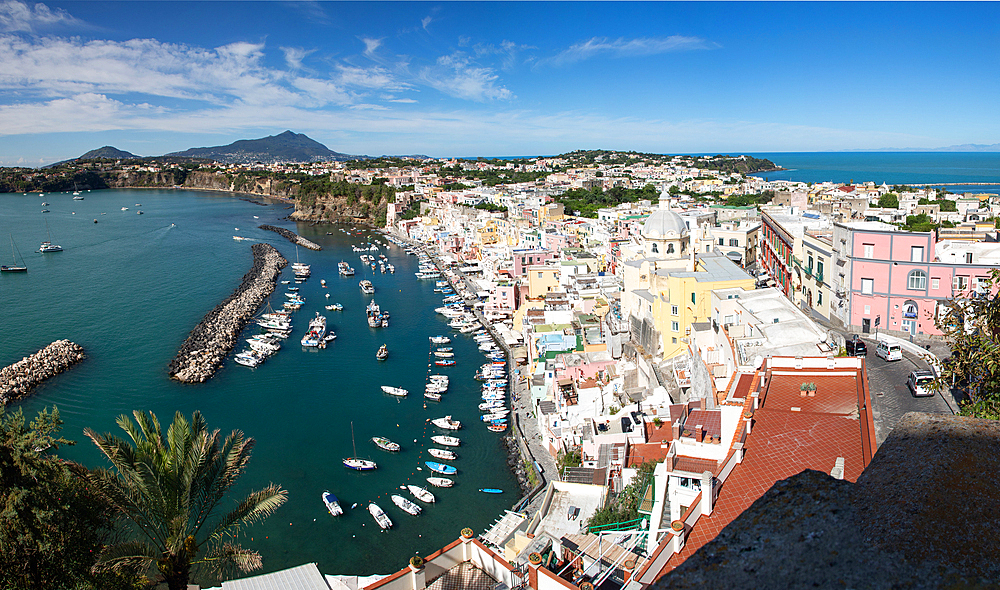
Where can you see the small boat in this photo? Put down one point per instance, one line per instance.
(332, 504)
(14, 267)
(356, 462)
(490, 491)
(448, 441)
(440, 482)
(442, 454)
(445, 349)
(397, 391)
(440, 340)
(385, 444)
(444, 362)
(285, 282)
(335, 307)
(406, 505)
(496, 427)
(421, 493)
(293, 289)
(322, 283)
(383, 353)
(366, 287)
(434, 397)
(446, 423)
(379, 515)
(443, 355)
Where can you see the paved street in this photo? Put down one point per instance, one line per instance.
(891, 398)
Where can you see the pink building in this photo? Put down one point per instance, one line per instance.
(504, 298)
(525, 258)
(895, 278)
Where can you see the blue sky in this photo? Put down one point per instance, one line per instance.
(521, 78)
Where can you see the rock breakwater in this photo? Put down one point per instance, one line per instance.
(18, 379)
(217, 334)
(292, 237)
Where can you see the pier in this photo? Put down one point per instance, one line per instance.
(292, 237)
(18, 379)
(217, 334)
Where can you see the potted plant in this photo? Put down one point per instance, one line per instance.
(535, 558)
(677, 525)
(657, 422)
(416, 562)
(467, 533)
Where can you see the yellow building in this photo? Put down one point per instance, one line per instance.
(542, 279)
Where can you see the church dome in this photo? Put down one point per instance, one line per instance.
(663, 223)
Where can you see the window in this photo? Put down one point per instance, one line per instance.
(675, 326)
(869, 250)
(868, 310)
(673, 340)
(960, 283)
(819, 298)
(810, 262)
(917, 279)
(734, 242)
(655, 248)
(693, 300)
(722, 241)
(673, 310)
(670, 248)
(968, 257)
(935, 283)
(539, 275)
(867, 286)
(916, 253)
(819, 270)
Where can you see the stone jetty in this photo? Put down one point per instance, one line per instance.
(17, 380)
(216, 336)
(292, 237)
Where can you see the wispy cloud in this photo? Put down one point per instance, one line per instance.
(456, 75)
(621, 47)
(295, 55)
(426, 21)
(16, 16)
(371, 45)
(507, 51)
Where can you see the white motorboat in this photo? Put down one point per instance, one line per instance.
(440, 340)
(442, 454)
(448, 441)
(421, 493)
(274, 324)
(440, 482)
(406, 505)
(332, 504)
(366, 287)
(316, 332)
(397, 391)
(434, 397)
(385, 444)
(380, 516)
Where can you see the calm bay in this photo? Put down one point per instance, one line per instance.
(129, 289)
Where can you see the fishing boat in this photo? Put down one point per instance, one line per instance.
(448, 441)
(47, 245)
(379, 515)
(345, 269)
(366, 287)
(440, 482)
(490, 491)
(14, 267)
(383, 353)
(442, 454)
(446, 423)
(356, 462)
(444, 362)
(421, 493)
(444, 354)
(316, 332)
(397, 391)
(385, 444)
(440, 340)
(406, 505)
(332, 504)
(496, 427)
(433, 396)
(376, 318)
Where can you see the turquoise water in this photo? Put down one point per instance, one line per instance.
(131, 287)
(889, 167)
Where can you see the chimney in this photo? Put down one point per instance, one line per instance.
(675, 430)
(699, 433)
(703, 403)
(838, 469)
(707, 497)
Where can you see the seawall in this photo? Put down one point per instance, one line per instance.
(216, 335)
(18, 379)
(292, 237)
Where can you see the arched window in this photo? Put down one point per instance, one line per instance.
(917, 279)
(670, 248)
(655, 249)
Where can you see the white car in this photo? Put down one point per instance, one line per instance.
(920, 382)
(888, 351)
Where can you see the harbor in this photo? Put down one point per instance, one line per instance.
(300, 403)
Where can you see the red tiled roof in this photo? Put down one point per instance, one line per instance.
(833, 395)
(642, 452)
(695, 465)
(711, 421)
(663, 433)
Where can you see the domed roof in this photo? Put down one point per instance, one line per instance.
(663, 223)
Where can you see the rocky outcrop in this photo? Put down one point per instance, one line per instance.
(18, 379)
(216, 335)
(292, 237)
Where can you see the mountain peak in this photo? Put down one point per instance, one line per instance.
(287, 146)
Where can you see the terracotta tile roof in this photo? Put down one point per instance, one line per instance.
(711, 421)
(662, 434)
(695, 465)
(642, 452)
(834, 395)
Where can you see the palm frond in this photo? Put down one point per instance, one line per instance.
(229, 559)
(255, 507)
(127, 556)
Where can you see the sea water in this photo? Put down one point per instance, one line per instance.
(130, 288)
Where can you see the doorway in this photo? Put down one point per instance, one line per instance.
(866, 325)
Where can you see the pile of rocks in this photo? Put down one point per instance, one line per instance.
(292, 237)
(20, 378)
(216, 335)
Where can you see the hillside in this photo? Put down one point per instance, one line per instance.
(108, 152)
(284, 147)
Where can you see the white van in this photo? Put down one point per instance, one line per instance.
(889, 351)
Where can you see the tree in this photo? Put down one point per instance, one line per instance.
(971, 326)
(889, 201)
(51, 526)
(167, 487)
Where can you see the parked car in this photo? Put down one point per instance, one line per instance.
(919, 383)
(889, 351)
(856, 347)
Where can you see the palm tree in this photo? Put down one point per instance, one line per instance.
(166, 490)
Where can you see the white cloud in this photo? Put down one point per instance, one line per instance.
(426, 21)
(295, 55)
(621, 47)
(456, 75)
(376, 77)
(16, 16)
(507, 51)
(371, 45)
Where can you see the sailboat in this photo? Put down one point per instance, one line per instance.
(356, 462)
(47, 245)
(14, 267)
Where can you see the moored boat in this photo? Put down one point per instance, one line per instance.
(440, 340)
(421, 493)
(446, 423)
(448, 441)
(434, 397)
(406, 505)
(385, 444)
(382, 353)
(444, 362)
(397, 391)
(379, 515)
(440, 482)
(332, 504)
(490, 490)
(442, 454)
